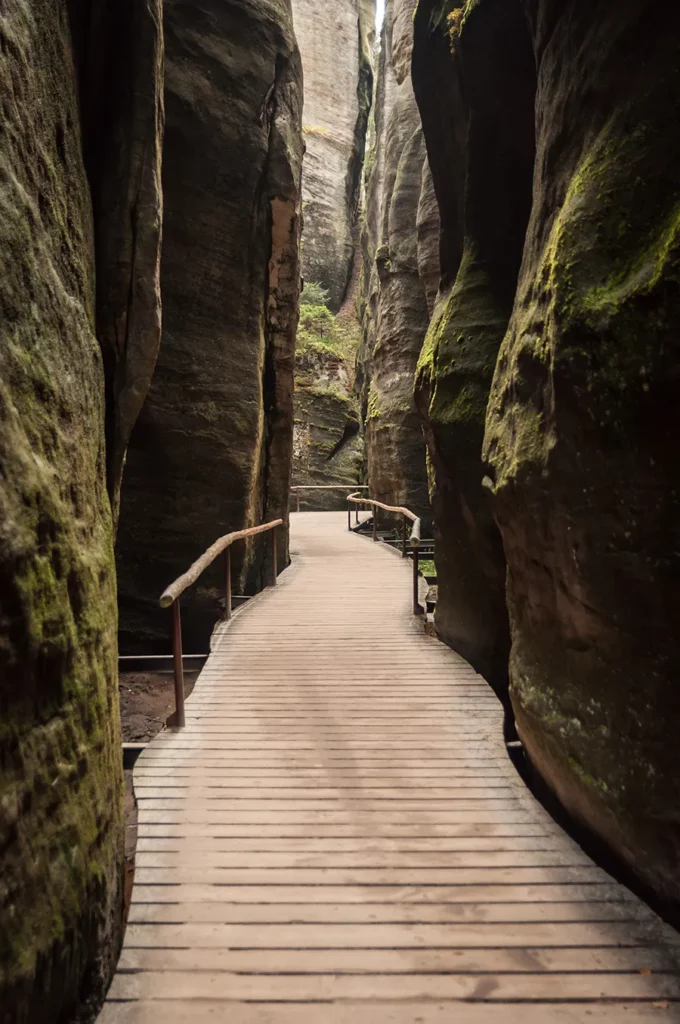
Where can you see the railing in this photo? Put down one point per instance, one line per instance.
(407, 516)
(325, 487)
(170, 599)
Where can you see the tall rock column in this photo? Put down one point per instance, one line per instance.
(335, 43)
(213, 446)
(475, 82)
(400, 274)
(581, 429)
(63, 221)
(119, 55)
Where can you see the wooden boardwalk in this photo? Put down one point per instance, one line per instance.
(338, 837)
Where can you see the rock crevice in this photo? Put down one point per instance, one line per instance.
(400, 275)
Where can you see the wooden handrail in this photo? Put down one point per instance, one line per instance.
(170, 599)
(356, 499)
(387, 508)
(324, 487)
(176, 589)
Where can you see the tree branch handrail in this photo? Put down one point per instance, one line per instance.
(398, 509)
(171, 595)
(296, 488)
(356, 499)
(182, 583)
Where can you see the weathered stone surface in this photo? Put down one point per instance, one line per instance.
(61, 852)
(119, 53)
(336, 44)
(212, 448)
(490, 112)
(400, 237)
(581, 423)
(328, 446)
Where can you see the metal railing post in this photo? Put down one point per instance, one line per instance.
(375, 523)
(417, 609)
(180, 720)
(356, 512)
(403, 536)
(349, 515)
(298, 500)
(275, 557)
(227, 584)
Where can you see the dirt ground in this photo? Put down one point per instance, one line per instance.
(146, 700)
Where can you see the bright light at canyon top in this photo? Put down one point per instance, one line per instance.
(379, 15)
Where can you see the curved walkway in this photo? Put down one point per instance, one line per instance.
(338, 837)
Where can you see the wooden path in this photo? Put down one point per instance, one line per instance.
(338, 836)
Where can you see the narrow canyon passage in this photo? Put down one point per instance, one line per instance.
(264, 255)
(338, 833)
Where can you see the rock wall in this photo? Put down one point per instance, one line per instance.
(336, 44)
(582, 464)
(400, 274)
(328, 447)
(119, 54)
(547, 388)
(64, 219)
(483, 145)
(213, 446)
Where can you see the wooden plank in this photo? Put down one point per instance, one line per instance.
(335, 846)
(400, 961)
(186, 872)
(373, 913)
(388, 832)
(392, 936)
(495, 987)
(283, 776)
(419, 1011)
(438, 863)
(291, 798)
(314, 821)
(487, 893)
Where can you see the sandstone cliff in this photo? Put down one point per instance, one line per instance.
(336, 43)
(119, 55)
(75, 205)
(400, 274)
(328, 445)
(546, 385)
(480, 139)
(582, 415)
(212, 449)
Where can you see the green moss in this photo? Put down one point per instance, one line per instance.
(332, 389)
(374, 408)
(382, 257)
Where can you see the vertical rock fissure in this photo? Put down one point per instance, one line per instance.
(401, 271)
(337, 60)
